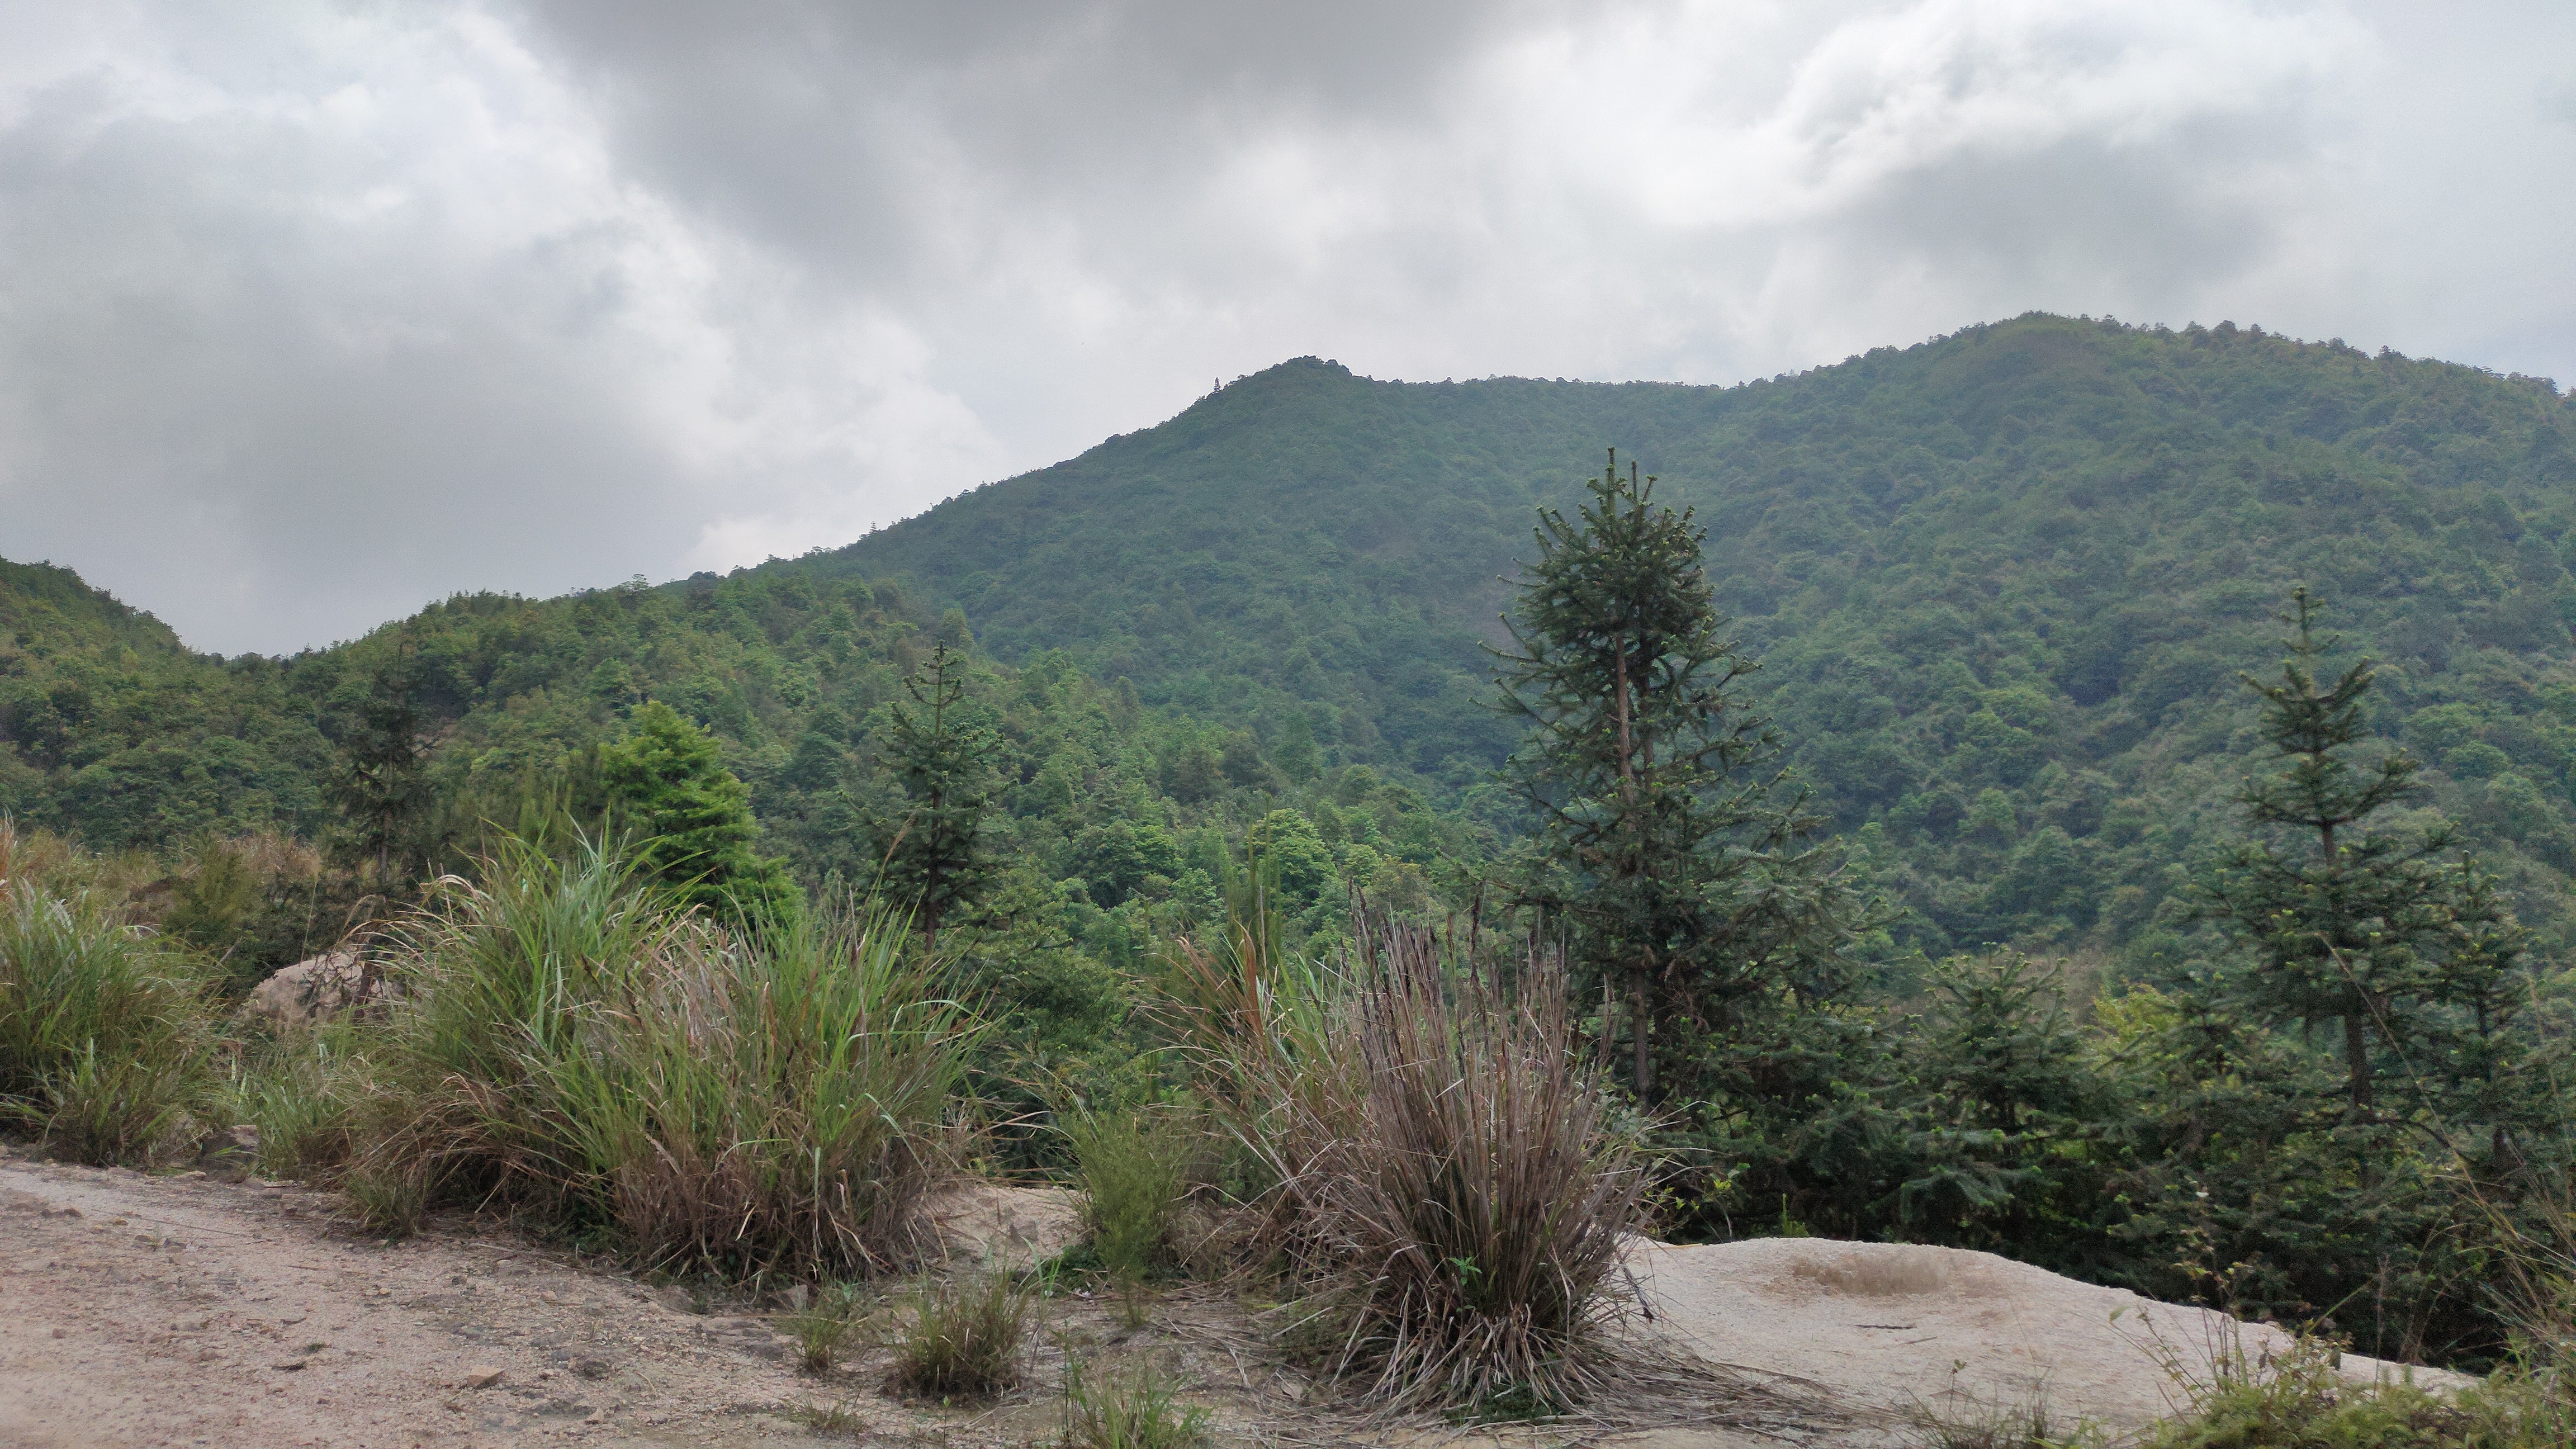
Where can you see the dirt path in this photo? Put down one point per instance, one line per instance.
(182, 1310)
(187, 1311)
(145, 1311)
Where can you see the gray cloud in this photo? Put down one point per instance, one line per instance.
(315, 319)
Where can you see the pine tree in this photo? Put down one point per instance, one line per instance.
(935, 853)
(1667, 835)
(382, 786)
(691, 820)
(2346, 922)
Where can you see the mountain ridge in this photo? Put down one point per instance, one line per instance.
(2001, 583)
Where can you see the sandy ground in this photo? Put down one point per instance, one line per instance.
(186, 1310)
(1907, 1329)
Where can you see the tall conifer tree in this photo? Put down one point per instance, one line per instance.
(935, 853)
(2372, 929)
(692, 821)
(1692, 876)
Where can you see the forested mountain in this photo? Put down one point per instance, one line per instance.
(2002, 583)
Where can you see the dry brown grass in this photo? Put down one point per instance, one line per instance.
(1450, 1198)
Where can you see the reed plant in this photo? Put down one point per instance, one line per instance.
(1450, 1196)
(573, 1046)
(106, 1031)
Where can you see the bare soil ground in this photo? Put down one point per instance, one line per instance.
(190, 1310)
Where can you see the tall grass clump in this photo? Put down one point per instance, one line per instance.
(1131, 1174)
(575, 1047)
(962, 1337)
(1449, 1190)
(106, 1036)
(1138, 1409)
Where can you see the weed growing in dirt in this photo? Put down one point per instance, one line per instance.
(962, 1337)
(106, 1033)
(823, 1329)
(1986, 1426)
(1134, 1410)
(389, 1200)
(837, 1418)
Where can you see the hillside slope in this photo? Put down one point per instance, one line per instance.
(2003, 581)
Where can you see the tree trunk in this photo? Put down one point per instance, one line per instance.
(2356, 1057)
(1642, 1026)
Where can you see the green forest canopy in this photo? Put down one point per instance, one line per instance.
(2001, 583)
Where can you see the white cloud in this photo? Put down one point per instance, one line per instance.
(316, 318)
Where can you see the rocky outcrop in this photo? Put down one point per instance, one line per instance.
(316, 988)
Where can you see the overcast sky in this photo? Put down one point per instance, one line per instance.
(311, 314)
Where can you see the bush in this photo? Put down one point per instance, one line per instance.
(961, 1337)
(106, 1038)
(1136, 1410)
(2301, 1401)
(1131, 1182)
(1447, 1183)
(573, 1047)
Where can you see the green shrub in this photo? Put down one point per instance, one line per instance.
(1131, 1181)
(961, 1337)
(1135, 1410)
(106, 1037)
(573, 1047)
(2301, 1401)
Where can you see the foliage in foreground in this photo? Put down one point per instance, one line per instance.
(1130, 1170)
(2302, 1401)
(1450, 1196)
(105, 1042)
(1137, 1409)
(572, 1048)
(962, 1337)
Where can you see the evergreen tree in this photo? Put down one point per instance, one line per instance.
(2363, 927)
(935, 854)
(691, 819)
(382, 786)
(1666, 837)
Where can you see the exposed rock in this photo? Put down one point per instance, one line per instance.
(1908, 1329)
(316, 988)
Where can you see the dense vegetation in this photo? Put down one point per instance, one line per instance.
(1231, 678)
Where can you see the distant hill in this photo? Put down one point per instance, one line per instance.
(2002, 583)
(2003, 580)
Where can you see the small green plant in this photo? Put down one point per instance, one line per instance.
(1131, 1181)
(389, 1199)
(2300, 1399)
(2023, 1426)
(824, 1328)
(1134, 1410)
(962, 1337)
(837, 1418)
